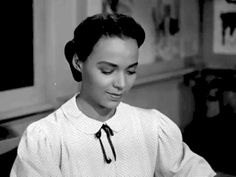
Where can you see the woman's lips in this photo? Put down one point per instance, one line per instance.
(115, 96)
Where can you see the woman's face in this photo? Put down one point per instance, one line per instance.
(109, 72)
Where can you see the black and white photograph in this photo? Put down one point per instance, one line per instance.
(118, 88)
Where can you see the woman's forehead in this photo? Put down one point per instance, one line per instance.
(115, 50)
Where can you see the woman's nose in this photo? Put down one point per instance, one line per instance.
(120, 81)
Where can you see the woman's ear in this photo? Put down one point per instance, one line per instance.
(77, 63)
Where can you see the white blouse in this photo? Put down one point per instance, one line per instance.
(146, 144)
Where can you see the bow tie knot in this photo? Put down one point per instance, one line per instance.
(109, 133)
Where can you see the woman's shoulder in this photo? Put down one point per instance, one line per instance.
(48, 126)
(150, 116)
(145, 113)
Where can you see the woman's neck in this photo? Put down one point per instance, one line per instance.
(95, 112)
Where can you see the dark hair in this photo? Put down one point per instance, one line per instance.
(89, 31)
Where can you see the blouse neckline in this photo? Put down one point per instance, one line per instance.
(90, 126)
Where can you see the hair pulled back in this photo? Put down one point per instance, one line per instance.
(89, 31)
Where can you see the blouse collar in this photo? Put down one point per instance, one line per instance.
(90, 126)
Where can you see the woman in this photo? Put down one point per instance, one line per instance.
(94, 133)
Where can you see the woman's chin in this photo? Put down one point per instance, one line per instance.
(112, 104)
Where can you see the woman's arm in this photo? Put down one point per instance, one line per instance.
(174, 157)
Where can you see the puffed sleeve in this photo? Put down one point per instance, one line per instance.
(174, 157)
(36, 155)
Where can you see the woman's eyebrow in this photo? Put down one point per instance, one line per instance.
(133, 65)
(106, 63)
(115, 65)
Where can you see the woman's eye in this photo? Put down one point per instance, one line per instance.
(131, 72)
(106, 72)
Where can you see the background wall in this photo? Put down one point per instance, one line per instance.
(63, 17)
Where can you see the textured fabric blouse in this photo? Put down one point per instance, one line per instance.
(145, 143)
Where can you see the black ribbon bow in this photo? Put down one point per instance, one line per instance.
(109, 133)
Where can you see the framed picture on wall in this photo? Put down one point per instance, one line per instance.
(171, 35)
(224, 39)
